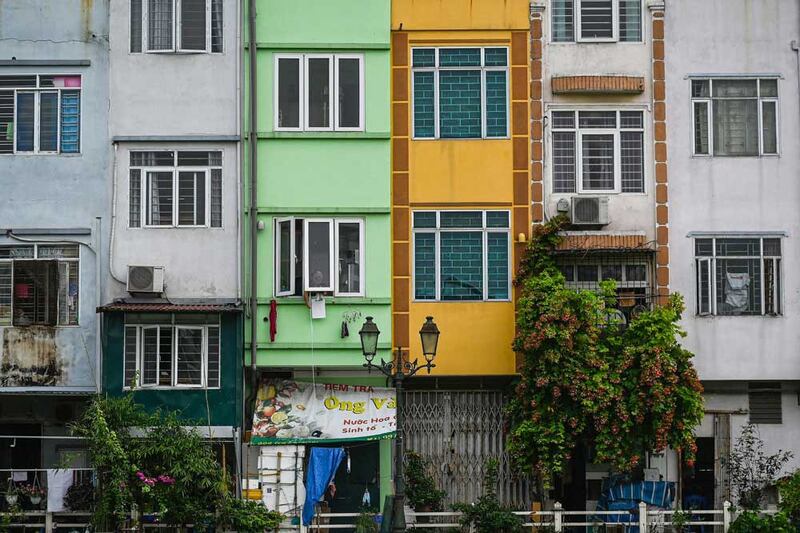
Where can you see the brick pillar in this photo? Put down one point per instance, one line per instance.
(537, 151)
(660, 152)
(401, 261)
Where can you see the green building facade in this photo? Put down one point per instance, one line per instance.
(323, 203)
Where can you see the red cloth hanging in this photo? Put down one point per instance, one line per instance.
(273, 320)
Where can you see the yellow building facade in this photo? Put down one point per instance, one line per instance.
(461, 176)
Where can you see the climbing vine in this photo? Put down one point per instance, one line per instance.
(587, 380)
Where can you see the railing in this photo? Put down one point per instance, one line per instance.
(642, 519)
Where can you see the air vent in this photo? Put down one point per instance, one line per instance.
(589, 211)
(148, 279)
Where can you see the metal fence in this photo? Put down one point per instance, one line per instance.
(642, 520)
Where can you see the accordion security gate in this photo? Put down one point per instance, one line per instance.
(457, 431)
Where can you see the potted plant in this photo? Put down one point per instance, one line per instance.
(421, 491)
(12, 493)
(34, 493)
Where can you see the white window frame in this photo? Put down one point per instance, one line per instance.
(709, 100)
(576, 26)
(485, 230)
(710, 262)
(614, 25)
(37, 92)
(436, 69)
(176, 30)
(337, 223)
(72, 262)
(334, 255)
(333, 94)
(175, 170)
(616, 132)
(140, 329)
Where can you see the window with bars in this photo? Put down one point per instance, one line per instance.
(319, 92)
(39, 285)
(738, 275)
(175, 189)
(319, 255)
(460, 93)
(597, 151)
(175, 351)
(596, 20)
(735, 117)
(631, 272)
(462, 255)
(193, 26)
(40, 114)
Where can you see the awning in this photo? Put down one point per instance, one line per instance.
(163, 306)
(604, 243)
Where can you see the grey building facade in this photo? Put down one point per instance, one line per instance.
(54, 221)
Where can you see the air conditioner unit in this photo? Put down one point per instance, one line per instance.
(589, 211)
(145, 279)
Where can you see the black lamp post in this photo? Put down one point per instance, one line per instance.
(398, 369)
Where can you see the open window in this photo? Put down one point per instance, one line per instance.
(319, 255)
(159, 26)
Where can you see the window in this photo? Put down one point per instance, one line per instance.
(319, 255)
(596, 20)
(602, 152)
(169, 189)
(738, 275)
(765, 403)
(40, 114)
(39, 285)
(460, 93)
(630, 271)
(462, 255)
(319, 92)
(193, 26)
(735, 117)
(172, 351)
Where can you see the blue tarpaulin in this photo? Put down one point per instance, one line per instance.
(322, 465)
(626, 497)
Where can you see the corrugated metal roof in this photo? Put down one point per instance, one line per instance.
(124, 307)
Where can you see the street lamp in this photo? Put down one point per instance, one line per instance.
(398, 369)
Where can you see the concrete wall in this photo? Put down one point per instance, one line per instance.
(55, 192)
(168, 101)
(730, 194)
(324, 174)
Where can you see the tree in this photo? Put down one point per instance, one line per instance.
(587, 380)
(751, 470)
(152, 461)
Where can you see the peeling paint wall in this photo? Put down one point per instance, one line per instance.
(58, 192)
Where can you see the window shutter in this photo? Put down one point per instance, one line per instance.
(131, 351)
(136, 26)
(5, 294)
(213, 368)
(496, 103)
(216, 26)
(765, 403)
(135, 199)
(424, 116)
(285, 254)
(70, 122)
(193, 25)
(424, 266)
(563, 20)
(216, 198)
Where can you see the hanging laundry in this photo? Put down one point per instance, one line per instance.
(273, 320)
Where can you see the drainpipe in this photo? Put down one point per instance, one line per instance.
(253, 210)
(796, 51)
